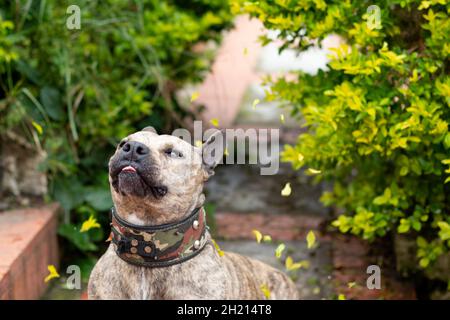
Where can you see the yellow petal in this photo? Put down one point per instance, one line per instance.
(53, 273)
(265, 290)
(219, 251)
(214, 122)
(313, 171)
(282, 118)
(267, 238)
(255, 102)
(290, 265)
(341, 297)
(89, 224)
(279, 250)
(286, 192)
(300, 157)
(37, 126)
(257, 235)
(195, 96)
(310, 239)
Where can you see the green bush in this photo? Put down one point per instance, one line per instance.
(378, 118)
(77, 92)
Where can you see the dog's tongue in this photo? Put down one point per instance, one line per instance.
(128, 169)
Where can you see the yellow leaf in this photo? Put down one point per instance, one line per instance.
(290, 265)
(89, 224)
(286, 192)
(37, 126)
(282, 118)
(265, 290)
(257, 235)
(53, 273)
(267, 238)
(214, 122)
(195, 96)
(219, 251)
(255, 102)
(310, 239)
(341, 297)
(351, 285)
(313, 171)
(198, 144)
(279, 250)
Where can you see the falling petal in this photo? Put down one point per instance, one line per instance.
(214, 122)
(255, 102)
(219, 251)
(286, 192)
(89, 224)
(300, 157)
(310, 239)
(265, 290)
(37, 126)
(279, 250)
(195, 96)
(316, 290)
(257, 235)
(282, 118)
(53, 273)
(341, 297)
(351, 284)
(313, 171)
(245, 51)
(225, 152)
(198, 144)
(290, 265)
(267, 238)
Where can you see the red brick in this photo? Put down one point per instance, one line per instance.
(28, 244)
(233, 225)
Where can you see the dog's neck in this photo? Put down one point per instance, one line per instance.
(142, 214)
(160, 245)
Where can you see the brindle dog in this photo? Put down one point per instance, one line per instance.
(164, 185)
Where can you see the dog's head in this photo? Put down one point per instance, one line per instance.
(159, 178)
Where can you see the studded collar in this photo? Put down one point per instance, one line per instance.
(162, 245)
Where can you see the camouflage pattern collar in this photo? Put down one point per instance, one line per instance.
(159, 246)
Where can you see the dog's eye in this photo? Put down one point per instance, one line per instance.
(121, 144)
(173, 153)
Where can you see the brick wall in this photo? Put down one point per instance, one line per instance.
(28, 244)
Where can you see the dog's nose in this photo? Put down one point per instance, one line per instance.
(134, 150)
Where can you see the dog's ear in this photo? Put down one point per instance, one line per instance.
(150, 129)
(213, 149)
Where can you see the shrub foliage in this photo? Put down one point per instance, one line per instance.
(378, 117)
(75, 93)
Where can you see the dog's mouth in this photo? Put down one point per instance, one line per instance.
(135, 180)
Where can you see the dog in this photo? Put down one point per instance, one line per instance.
(160, 245)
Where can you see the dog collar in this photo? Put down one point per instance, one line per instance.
(162, 245)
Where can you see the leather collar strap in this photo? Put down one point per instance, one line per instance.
(162, 245)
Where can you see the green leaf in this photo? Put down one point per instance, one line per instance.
(80, 240)
(99, 198)
(52, 103)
